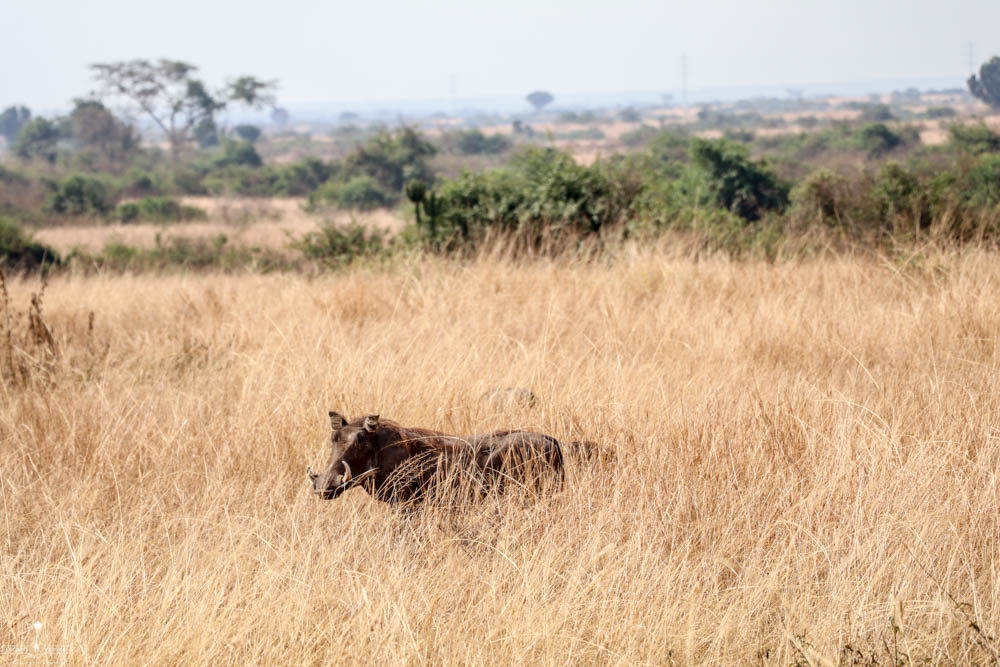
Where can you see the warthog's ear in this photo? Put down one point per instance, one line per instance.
(371, 423)
(337, 420)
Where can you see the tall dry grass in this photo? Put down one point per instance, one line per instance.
(807, 465)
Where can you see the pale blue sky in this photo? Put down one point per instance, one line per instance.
(392, 50)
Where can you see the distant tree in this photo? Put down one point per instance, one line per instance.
(238, 153)
(92, 126)
(986, 86)
(168, 92)
(206, 133)
(878, 139)
(630, 115)
(279, 117)
(38, 138)
(348, 116)
(539, 99)
(474, 142)
(249, 133)
(12, 119)
(876, 113)
(392, 159)
(520, 128)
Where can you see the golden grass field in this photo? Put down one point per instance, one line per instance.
(807, 464)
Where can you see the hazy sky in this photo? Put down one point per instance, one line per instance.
(396, 49)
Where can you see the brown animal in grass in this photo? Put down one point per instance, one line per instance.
(397, 463)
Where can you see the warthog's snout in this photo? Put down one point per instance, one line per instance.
(328, 484)
(333, 482)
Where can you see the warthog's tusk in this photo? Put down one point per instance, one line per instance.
(347, 473)
(365, 475)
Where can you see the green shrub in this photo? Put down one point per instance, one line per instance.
(940, 112)
(742, 136)
(303, 177)
(976, 139)
(80, 195)
(239, 154)
(338, 246)
(738, 184)
(823, 196)
(241, 180)
(984, 182)
(897, 192)
(877, 139)
(360, 192)
(158, 209)
(183, 254)
(543, 194)
(671, 146)
(639, 136)
(188, 181)
(876, 113)
(474, 142)
(18, 250)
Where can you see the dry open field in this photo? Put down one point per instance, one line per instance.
(808, 458)
(264, 222)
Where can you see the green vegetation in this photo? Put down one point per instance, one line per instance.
(80, 196)
(38, 139)
(361, 191)
(12, 119)
(19, 251)
(475, 142)
(975, 139)
(737, 184)
(986, 85)
(334, 246)
(869, 179)
(158, 209)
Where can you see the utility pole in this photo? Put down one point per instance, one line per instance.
(454, 95)
(684, 79)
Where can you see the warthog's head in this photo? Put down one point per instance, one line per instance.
(352, 460)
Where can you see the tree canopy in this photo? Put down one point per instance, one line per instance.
(38, 138)
(12, 119)
(986, 86)
(169, 93)
(539, 99)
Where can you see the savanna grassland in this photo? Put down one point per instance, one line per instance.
(807, 463)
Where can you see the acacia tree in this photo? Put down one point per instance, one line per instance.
(169, 94)
(539, 99)
(986, 86)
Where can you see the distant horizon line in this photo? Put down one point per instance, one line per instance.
(695, 95)
(511, 103)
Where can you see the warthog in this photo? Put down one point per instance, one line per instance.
(396, 463)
